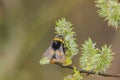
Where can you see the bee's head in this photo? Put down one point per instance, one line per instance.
(59, 38)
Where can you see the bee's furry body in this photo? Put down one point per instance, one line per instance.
(56, 51)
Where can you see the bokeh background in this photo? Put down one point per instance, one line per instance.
(27, 28)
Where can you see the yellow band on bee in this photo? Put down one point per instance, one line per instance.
(58, 39)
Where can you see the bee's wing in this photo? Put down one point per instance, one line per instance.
(60, 55)
(49, 52)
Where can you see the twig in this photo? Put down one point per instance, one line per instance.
(89, 72)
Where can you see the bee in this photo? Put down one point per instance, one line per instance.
(56, 51)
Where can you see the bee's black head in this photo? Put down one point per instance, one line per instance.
(57, 42)
(59, 36)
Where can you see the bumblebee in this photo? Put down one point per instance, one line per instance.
(56, 51)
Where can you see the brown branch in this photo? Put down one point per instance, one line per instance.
(89, 72)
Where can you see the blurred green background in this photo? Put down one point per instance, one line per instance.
(27, 28)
